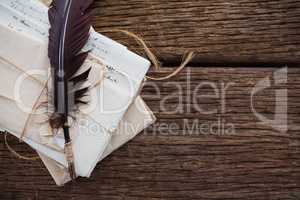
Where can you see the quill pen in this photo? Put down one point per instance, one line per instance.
(70, 22)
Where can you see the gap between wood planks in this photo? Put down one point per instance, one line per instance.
(198, 62)
(195, 58)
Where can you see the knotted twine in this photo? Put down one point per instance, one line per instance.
(151, 56)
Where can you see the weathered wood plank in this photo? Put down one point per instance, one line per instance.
(239, 31)
(254, 162)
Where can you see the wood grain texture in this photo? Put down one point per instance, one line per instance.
(254, 162)
(238, 31)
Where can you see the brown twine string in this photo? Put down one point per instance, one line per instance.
(34, 107)
(157, 65)
(19, 156)
(186, 59)
(139, 39)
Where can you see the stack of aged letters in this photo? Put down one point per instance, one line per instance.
(115, 114)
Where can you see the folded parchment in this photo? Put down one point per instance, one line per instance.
(23, 28)
(137, 118)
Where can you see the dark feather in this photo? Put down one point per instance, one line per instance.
(81, 77)
(70, 22)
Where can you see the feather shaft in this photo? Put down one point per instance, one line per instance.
(70, 22)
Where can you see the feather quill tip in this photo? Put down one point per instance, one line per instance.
(70, 160)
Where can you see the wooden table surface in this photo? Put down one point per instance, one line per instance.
(238, 43)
